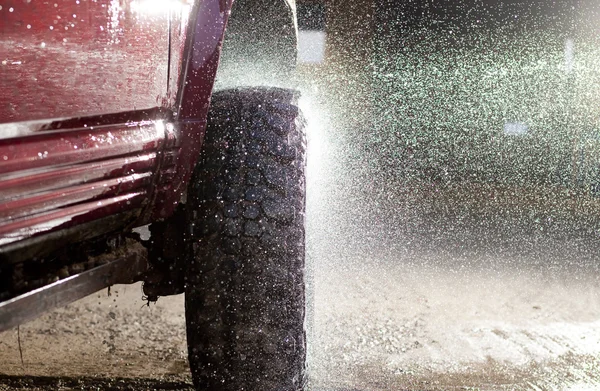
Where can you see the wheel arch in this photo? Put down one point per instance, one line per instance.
(260, 44)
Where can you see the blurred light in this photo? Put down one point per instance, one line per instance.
(516, 129)
(569, 55)
(311, 46)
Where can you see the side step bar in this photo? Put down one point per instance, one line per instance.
(126, 269)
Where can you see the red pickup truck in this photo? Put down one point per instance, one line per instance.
(110, 121)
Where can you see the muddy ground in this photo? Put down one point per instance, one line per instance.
(442, 301)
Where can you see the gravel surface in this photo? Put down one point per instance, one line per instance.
(406, 309)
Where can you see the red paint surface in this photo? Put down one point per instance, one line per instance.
(45, 177)
(69, 58)
(20, 207)
(22, 183)
(99, 80)
(74, 146)
(200, 63)
(67, 217)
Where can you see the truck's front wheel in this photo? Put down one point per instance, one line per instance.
(245, 283)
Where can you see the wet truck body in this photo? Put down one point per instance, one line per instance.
(103, 107)
(93, 119)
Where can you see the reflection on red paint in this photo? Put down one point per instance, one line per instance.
(103, 108)
(69, 59)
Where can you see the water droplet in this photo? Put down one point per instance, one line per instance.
(43, 45)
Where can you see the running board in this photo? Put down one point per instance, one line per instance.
(126, 269)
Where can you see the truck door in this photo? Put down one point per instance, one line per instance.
(72, 58)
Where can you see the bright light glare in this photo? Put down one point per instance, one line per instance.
(158, 7)
(316, 151)
(160, 128)
(516, 128)
(311, 46)
(569, 55)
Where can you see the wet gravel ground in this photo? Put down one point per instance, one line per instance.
(101, 342)
(438, 303)
(90, 383)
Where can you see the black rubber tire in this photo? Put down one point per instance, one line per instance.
(245, 294)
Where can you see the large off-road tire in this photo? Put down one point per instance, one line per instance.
(244, 289)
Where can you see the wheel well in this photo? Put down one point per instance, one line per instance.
(260, 45)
